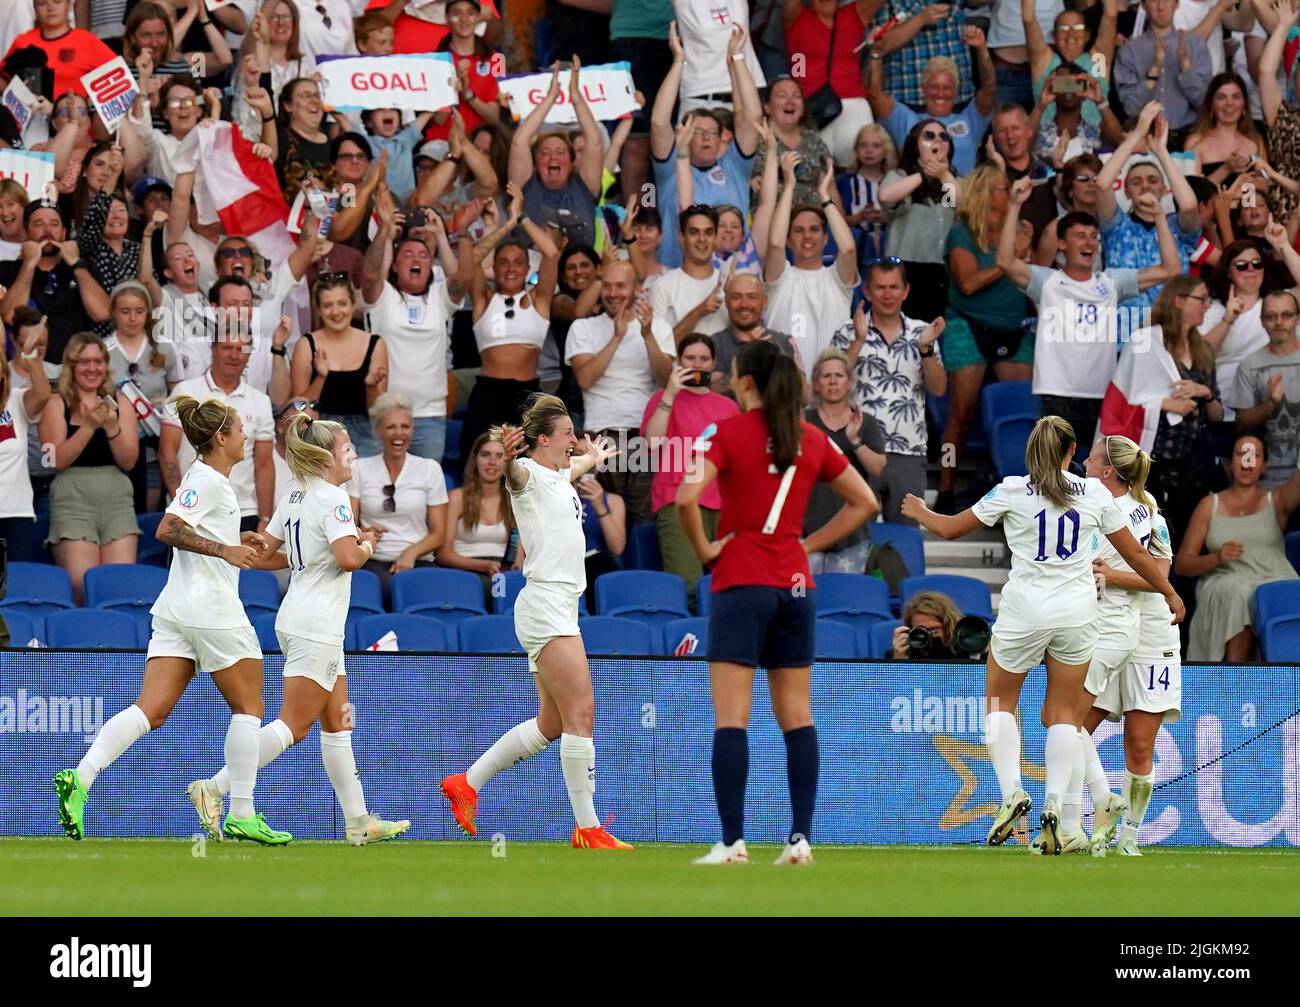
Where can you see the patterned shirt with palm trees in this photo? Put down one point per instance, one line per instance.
(890, 383)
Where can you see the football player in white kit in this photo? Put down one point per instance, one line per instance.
(1048, 611)
(313, 534)
(199, 624)
(549, 517)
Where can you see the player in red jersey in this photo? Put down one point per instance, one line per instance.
(761, 612)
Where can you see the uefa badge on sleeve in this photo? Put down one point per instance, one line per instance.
(687, 646)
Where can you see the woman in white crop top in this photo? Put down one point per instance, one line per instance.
(510, 323)
(479, 515)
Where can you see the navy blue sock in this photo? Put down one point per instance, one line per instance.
(801, 762)
(730, 770)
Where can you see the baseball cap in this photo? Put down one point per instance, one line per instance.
(147, 185)
(435, 150)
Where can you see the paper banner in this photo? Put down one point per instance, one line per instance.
(112, 90)
(32, 169)
(607, 87)
(420, 82)
(18, 98)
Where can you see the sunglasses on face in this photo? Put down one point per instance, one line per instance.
(1248, 265)
(280, 19)
(1072, 28)
(390, 505)
(931, 135)
(72, 113)
(1085, 178)
(357, 156)
(182, 103)
(239, 252)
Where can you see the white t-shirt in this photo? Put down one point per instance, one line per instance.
(315, 39)
(1117, 608)
(183, 326)
(705, 29)
(1157, 637)
(284, 480)
(308, 522)
(676, 295)
(1245, 336)
(1051, 581)
(203, 591)
(419, 486)
(809, 304)
(620, 395)
(548, 514)
(415, 333)
(15, 478)
(254, 409)
(267, 318)
(1076, 346)
(15, 18)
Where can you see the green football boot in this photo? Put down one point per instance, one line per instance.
(72, 802)
(254, 829)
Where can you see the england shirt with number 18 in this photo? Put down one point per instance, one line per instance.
(1051, 581)
(1077, 345)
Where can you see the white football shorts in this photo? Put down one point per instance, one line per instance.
(321, 662)
(1017, 651)
(211, 650)
(542, 614)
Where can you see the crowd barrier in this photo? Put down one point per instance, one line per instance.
(901, 753)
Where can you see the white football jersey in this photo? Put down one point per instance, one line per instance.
(1117, 608)
(308, 521)
(1157, 637)
(548, 513)
(1051, 583)
(203, 591)
(1076, 345)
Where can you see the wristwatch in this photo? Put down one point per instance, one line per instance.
(928, 351)
(279, 351)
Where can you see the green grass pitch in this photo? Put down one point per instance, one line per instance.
(133, 877)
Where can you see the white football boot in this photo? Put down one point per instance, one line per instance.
(724, 854)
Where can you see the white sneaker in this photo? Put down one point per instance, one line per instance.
(1049, 840)
(1106, 819)
(724, 854)
(1128, 847)
(1005, 822)
(1077, 843)
(375, 830)
(795, 854)
(209, 807)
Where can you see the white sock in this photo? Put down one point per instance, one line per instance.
(1138, 791)
(1093, 773)
(578, 760)
(1061, 751)
(273, 740)
(123, 730)
(241, 760)
(341, 766)
(521, 742)
(1072, 805)
(1002, 737)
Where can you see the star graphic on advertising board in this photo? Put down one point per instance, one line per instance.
(960, 755)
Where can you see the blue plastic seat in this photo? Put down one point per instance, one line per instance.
(1281, 639)
(259, 591)
(489, 634)
(148, 549)
(414, 632)
(835, 640)
(450, 459)
(1276, 600)
(37, 590)
(118, 586)
(447, 595)
(1010, 437)
(1007, 398)
(977, 442)
(677, 629)
(702, 591)
(1293, 549)
(643, 548)
(851, 597)
(92, 627)
(367, 595)
(264, 627)
(644, 595)
(20, 625)
(969, 594)
(877, 639)
(909, 542)
(602, 634)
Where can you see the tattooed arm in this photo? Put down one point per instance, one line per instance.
(173, 531)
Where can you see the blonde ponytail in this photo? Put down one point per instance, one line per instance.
(541, 413)
(202, 421)
(1133, 466)
(309, 446)
(1050, 444)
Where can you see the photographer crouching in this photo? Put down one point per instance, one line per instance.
(934, 629)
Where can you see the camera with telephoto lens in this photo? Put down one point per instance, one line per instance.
(970, 639)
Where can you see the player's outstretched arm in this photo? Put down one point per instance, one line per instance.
(860, 504)
(1145, 566)
(512, 439)
(946, 526)
(593, 453)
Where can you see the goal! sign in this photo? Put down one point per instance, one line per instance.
(112, 90)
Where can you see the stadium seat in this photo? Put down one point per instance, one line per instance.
(835, 639)
(677, 629)
(120, 586)
(36, 590)
(446, 595)
(643, 549)
(148, 549)
(1293, 549)
(1281, 640)
(1009, 439)
(503, 597)
(602, 634)
(909, 542)
(450, 459)
(702, 591)
(1275, 601)
(259, 591)
(367, 596)
(877, 639)
(20, 626)
(851, 598)
(264, 626)
(451, 478)
(644, 595)
(970, 595)
(1007, 398)
(414, 632)
(92, 627)
(977, 442)
(489, 634)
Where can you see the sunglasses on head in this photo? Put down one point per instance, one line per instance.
(1247, 265)
(892, 260)
(331, 278)
(390, 505)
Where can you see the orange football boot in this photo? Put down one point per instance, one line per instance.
(596, 838)
(464, 801)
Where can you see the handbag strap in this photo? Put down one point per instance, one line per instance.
(830, 52)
